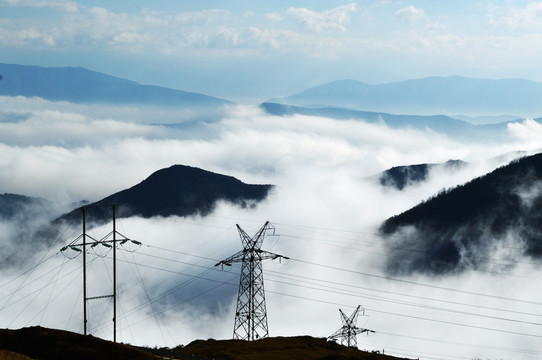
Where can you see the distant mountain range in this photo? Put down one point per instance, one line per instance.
(479, 100)
(176, 191)
(440, 123)
(452, 95)
(79, 85)
(459, 228)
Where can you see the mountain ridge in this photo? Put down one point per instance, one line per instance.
(81, 85)
(178, 190)
(440, 123)
(430, 95)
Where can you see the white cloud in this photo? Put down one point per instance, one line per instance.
(63, 5)
(333, 19)
(527, 15)
(323, 208)
(410, 14)
(254, 147)
(211, 33)
(529, 132)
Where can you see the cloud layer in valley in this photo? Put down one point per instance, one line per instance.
(324, 207)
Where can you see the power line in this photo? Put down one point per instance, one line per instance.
(194, 277)
(386, 299)
(390, 300)
(360, 287)
(412, 316)
(412, 304)
(350, 243)
(456, 343)
(416, 283)
(275, 273)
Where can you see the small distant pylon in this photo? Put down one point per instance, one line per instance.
(347, 334)
(251, 315)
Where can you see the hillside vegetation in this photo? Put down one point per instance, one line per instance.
(299, 347)
(49, 344)
(177, 191)
(459, 227)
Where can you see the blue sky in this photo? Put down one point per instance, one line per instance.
(250, 51)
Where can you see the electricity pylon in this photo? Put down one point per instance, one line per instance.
(347, 334)
(109, 241)
(250, 315)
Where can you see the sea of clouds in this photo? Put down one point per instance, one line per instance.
(324, 207)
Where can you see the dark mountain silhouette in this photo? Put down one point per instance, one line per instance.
(296, 347)
(432, 95)
(79, 85)
(400, 177)
(178, 190)
(439, 123)
(458, 228)
(50, 344)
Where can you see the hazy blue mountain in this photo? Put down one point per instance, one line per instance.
(439, 123)
(400, 177)
(458, 228)
(21, 208)
(178, 190)
(79, 85)
(486, 120)
(432, 95)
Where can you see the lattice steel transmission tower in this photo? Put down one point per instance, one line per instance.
(347, 334)
(250, 315)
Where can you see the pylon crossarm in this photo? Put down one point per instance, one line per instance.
(361, 331)
(237, 257)
(76, 246)
(266, 255)
(248, 255)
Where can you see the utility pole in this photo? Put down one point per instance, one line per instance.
(250, 315)
(347, 334)
(109, 241)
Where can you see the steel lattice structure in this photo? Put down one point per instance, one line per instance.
(347, 334)
(251, 315)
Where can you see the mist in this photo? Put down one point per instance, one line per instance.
(325, 208)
